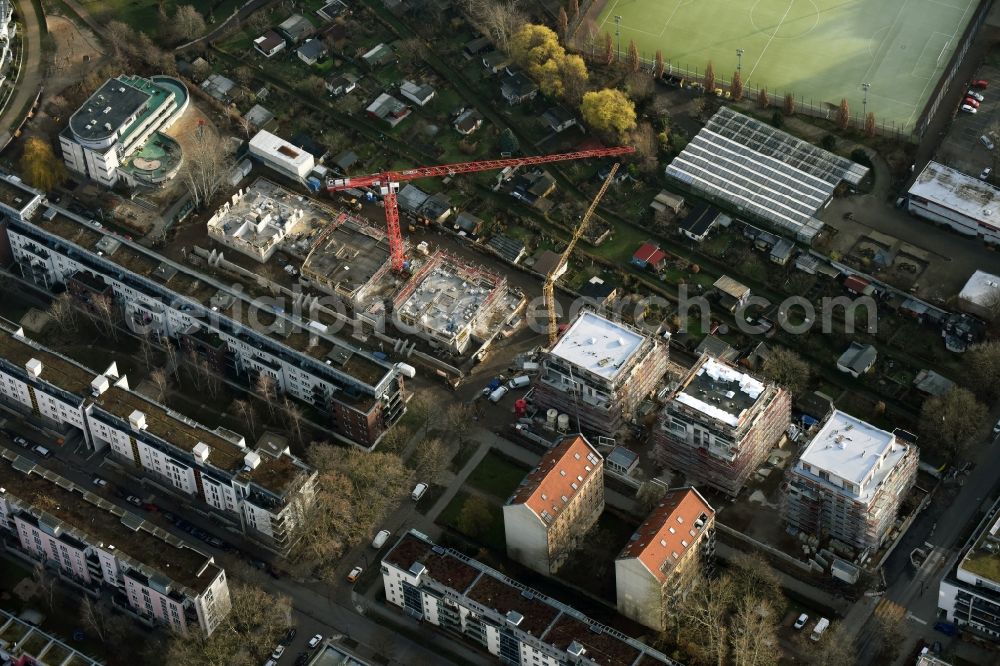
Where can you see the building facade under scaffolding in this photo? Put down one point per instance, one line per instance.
(447, 300)
(598, 372)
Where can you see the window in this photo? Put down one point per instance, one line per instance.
(680, 519)
(675, 555)
(684, 543)
(663, 542)
(672, 530)
(562, 472)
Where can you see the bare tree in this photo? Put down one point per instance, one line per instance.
(121, 37)
(788, 369)
(147, 351)
(763, 101)
(47, 582)
(98, 616)
(649, 495)
(161, 380)
(244, 75)
(870, 124)
(104, 314)
(188, 23)
(266, 388)
(574, 9)
(426, 414)
(459, 422)
(843, 114)
(754, 640)
(294, 416)
(949, 422)
(705, 619)
(244, 637)
(609, 49)
(248, 415)
(206, 161)
(709, 78)
(475, 517)
(659, 67)
(562, 25)
(173, 365)
(632, 57)
(499, 18)
(430, 460)
(736, 86)
(789, 104)
(643, 138)
(63, 312)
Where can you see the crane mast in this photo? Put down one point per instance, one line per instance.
(549, 288)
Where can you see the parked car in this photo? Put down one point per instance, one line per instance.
(801, 622)
(42, 451)
(996, 428)
(302, 659)
(278, 651)
(971, 102)
(98, 481)
(974, 95)
(980, 84)
(355, 572)
(985, 173)
(380, 538)
(498, 394)
(315, 640)
(819, 629)
(21, 441)
(966, 108)
(985, 140)
(418, 491)
(518, 382)
(289, 635)
(133, 500)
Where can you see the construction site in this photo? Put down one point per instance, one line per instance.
(598, 372)
(450, 303)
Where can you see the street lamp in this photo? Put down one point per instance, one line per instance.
(739, 59)
(864, 102)
(618, 34)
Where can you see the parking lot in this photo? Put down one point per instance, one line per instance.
(961, 147)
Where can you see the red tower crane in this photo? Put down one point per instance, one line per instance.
(388, 184)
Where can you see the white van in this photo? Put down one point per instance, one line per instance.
(820, 628)
(380, 539)
(497, 394)
(518, 382)
(418, 492)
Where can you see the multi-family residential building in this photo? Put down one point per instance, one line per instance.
(661, 561)
(969, 594)
(291, 346)
(598, 372)
(719, 425)
(555, 506)
(515, 623)
(264, 491)
(24, 644)
(849, 482)
(8, 28)
(97, 546)
(117, 134)
(256, 221)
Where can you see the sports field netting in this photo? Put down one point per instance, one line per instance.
(820, 50)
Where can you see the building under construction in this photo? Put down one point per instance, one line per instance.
(598, 372)
(849, 482)
(350, 259)
(448, 302)
(720, 424)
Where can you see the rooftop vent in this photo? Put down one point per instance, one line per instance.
(34, 368)
(137, 420)
(575, 650)
(251, 459)
(99, 385)
(514, 618)
(200, 452)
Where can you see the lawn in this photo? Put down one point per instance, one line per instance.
(493, 537)
(497, 475)
(820, 50)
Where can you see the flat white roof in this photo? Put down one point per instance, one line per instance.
(981, 289)
(851, 449)
(597, 345)
(721, 391)
(279, 150)
(959, 192)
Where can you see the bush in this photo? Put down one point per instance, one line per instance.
(829, 142)
(861, 157)
(777, 119)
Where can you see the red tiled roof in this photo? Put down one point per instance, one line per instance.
(549, 487)
(666, 529)
(649, 253)
(854, 283)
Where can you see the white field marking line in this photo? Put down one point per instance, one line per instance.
(891, 26)
(756, 27)
(924, 90)
(670, 18)
(921, 54)
(872, 96)
(764, 50)
(944, 4)
(611, 12)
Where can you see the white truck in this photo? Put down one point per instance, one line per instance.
(819, 629)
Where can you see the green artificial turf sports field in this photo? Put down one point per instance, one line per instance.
(820, 50)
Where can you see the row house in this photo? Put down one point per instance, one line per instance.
(99, 547)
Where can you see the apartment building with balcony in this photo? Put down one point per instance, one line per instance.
(263, 491)
(98, 546)
(598, 372)
(24, 644)
(555, 506)
(518, 625)
(969, 594)
(662, 559)
(117, 134)
(719, 425)
(359, 395)
(849, 482)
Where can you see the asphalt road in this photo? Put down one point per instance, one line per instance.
(31, 68)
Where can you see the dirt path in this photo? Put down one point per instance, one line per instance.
(77, 51)
(30, 77)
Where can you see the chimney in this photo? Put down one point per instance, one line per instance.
(137, 420)
(251, 459)
(34, 368)
(99, 385)
(200, 452)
